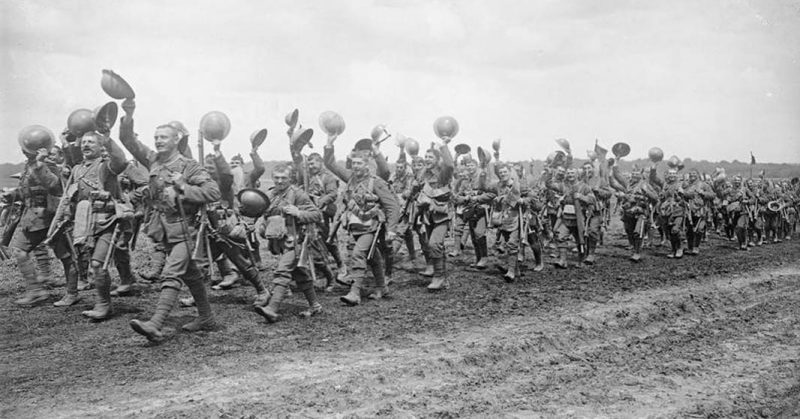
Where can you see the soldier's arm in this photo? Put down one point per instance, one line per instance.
(127, 137)
(389, 205)
(331, 187)
(224, 174)
(258, 169)
(654, 179)
(199, 187)
(48, 176)
(309, 213)
(382, 166)
(447, 165)
(117, 161)
(333, 166)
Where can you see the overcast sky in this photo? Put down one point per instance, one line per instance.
(702, 79)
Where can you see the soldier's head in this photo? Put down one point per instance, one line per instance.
(166, 140)
(417, 164)
(560, 172)
(636, 174)
(694, 175)
(359, 162)
(92, 145)
(400, 166)
(503, 172)
(208, 163)
(314, 163)
(749, 183)
(736, 181)
(282, 176)
(56, 155)
(237, 161)
(571, 175)
(672, 175)
(471, 165)
(588, 170)
(431, 158)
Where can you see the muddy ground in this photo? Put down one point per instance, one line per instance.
(715, 335)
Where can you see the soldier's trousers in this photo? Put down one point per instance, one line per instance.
(359, 261)
(433, 244)
(286, 271)
(179, 267)
(512, 244)
(23, 242)
(740, 221)
(772, 224)
(238, 256)
(695, 228)
(477, 232)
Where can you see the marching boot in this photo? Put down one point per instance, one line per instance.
(252, 276)
(741, 237)
(35, 292)
(439, 281)
(562, 259)
(381, 286)
(353, 298)
(44, 270)
(158, 259)
(270, 312)
(71, 296)
(637, 250)
(511, 268)
(229, 276)
(591, 245)
(204, 319)
(429, 269)
(102, 307)
(537, 257)
(314, 307)
(151, 329)
(122, 260)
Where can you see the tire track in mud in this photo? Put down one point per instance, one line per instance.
(716, 346)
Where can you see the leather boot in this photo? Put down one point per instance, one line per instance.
(102, 307)
(381, 286)
(253, 276)
(270, 312)
(429, 270)
(229, 276)
(537, 256)
(35, 292)
(591, 245)
(122, 260)
(204, 319)
(158, 258)
(637, 250)
(151, 329)
(44, 270)
(71, 296)
(511, 270)
(353, 298)
(314, 307)
(562, 258)
(439, 281)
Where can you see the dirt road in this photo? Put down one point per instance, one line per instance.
(712, 336)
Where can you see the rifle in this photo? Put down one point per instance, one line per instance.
(374, 241)
(57, 223)
(306, 259)
(581, 220)
(111, 246)
(522, 234)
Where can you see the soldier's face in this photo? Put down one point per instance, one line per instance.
(359, 165)
(281, 180)
(692, 176)
(91, 147)
(503, 174)
(588, 171)
(418, 165)
(672, 176)
(736, 183)
(471, 167)
(211, 168)
(560, 173)
(166, 140)
(636, 177)
(56, 155)
(571, 175)
(314, 165)
(430, 159)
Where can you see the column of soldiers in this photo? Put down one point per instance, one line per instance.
(84, 201)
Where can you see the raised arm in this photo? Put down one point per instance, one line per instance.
(127, 137)
(331, 164)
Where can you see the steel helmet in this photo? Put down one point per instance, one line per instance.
(331, 123)
(34, 137)
(252, 202)
(81, 121)
(215, 125)
(655, 154)
(620, 150)
(412, 146)
(257, 137)
(445, 126)
(115, 86)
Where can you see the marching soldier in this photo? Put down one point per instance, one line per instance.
(471, 201)
(434, 207)
(287, 218)
(401, 184)
(507, 202)
(738, 201)
(698, 196)
(95, 195)
(576, 195)
(594, 213)
(39, 190)
(372, 210)
(637, 203)
(178, 188)
(671, 209)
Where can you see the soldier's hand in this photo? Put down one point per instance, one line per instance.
(291, 210)
(446, 140)
(128, 105)
(177, 181)
(331, 139)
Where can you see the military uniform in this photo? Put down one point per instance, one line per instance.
(170, 223)
(738, 203)
(698, 196)
(39, 190)
(285, 235)
(472, 206)
(637, 211)
(578, 197)
(371, 209)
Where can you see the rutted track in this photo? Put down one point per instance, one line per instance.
(683, 342)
